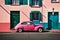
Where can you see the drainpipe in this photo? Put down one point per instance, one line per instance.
(42, 10)
(53, 10)
(53, 17)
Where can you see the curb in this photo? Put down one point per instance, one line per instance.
(10, 31)
(58, 31)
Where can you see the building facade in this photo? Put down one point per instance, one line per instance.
(42, 12)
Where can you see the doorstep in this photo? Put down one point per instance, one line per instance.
(13, 31)
(58, 31)
(8, 31)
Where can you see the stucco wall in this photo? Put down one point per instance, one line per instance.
(47, 5)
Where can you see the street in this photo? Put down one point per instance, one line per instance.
(30, 36)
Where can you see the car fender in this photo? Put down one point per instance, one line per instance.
(37, 27)
(17, 27)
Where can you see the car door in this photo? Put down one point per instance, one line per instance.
(25, 26)
(31, 26)
(28, 26)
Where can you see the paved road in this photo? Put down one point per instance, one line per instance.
(30, 36)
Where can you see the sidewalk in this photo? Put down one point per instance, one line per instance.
(58, 31)
(7, 31)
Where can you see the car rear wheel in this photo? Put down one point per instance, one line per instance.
(19, 30)
(40, 29)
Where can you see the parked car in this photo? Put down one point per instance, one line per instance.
(28, 26)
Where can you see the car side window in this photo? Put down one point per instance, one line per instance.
(31, 23)
(28, 23)
(24, 23)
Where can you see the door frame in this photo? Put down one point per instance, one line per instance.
(10, 18)
(50, 10)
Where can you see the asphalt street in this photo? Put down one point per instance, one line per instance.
(30, 36)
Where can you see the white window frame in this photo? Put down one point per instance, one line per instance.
(35, 3)
(55, 0)
(15, 2)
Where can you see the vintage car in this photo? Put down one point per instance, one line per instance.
(29, 26)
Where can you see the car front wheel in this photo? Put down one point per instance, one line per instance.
(40, 29)
(19, 30)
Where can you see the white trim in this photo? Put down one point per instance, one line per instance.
(28, 2)
(55, 1)
(52, 11)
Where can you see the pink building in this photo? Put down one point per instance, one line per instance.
(45, 12)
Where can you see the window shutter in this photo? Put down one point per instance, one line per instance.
(8, 2)
(30, 2)
(31, 16)
(21, 2)
(40, 16)
(40, 2)
(25, 2)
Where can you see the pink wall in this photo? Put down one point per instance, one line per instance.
(47, 5)
(5, 17)
(4, 27)
(23, 9)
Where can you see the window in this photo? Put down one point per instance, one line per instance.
(54, 1)
(16, 2)
(24, 23)
(35, 15)
(28, 23)
(31, 22)
(35, 3)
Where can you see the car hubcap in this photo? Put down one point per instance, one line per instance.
(40, 30)
(20, 30)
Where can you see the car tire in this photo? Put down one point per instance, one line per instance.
(40, 30)
(19, 30)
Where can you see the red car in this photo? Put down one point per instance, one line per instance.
(28, 26)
